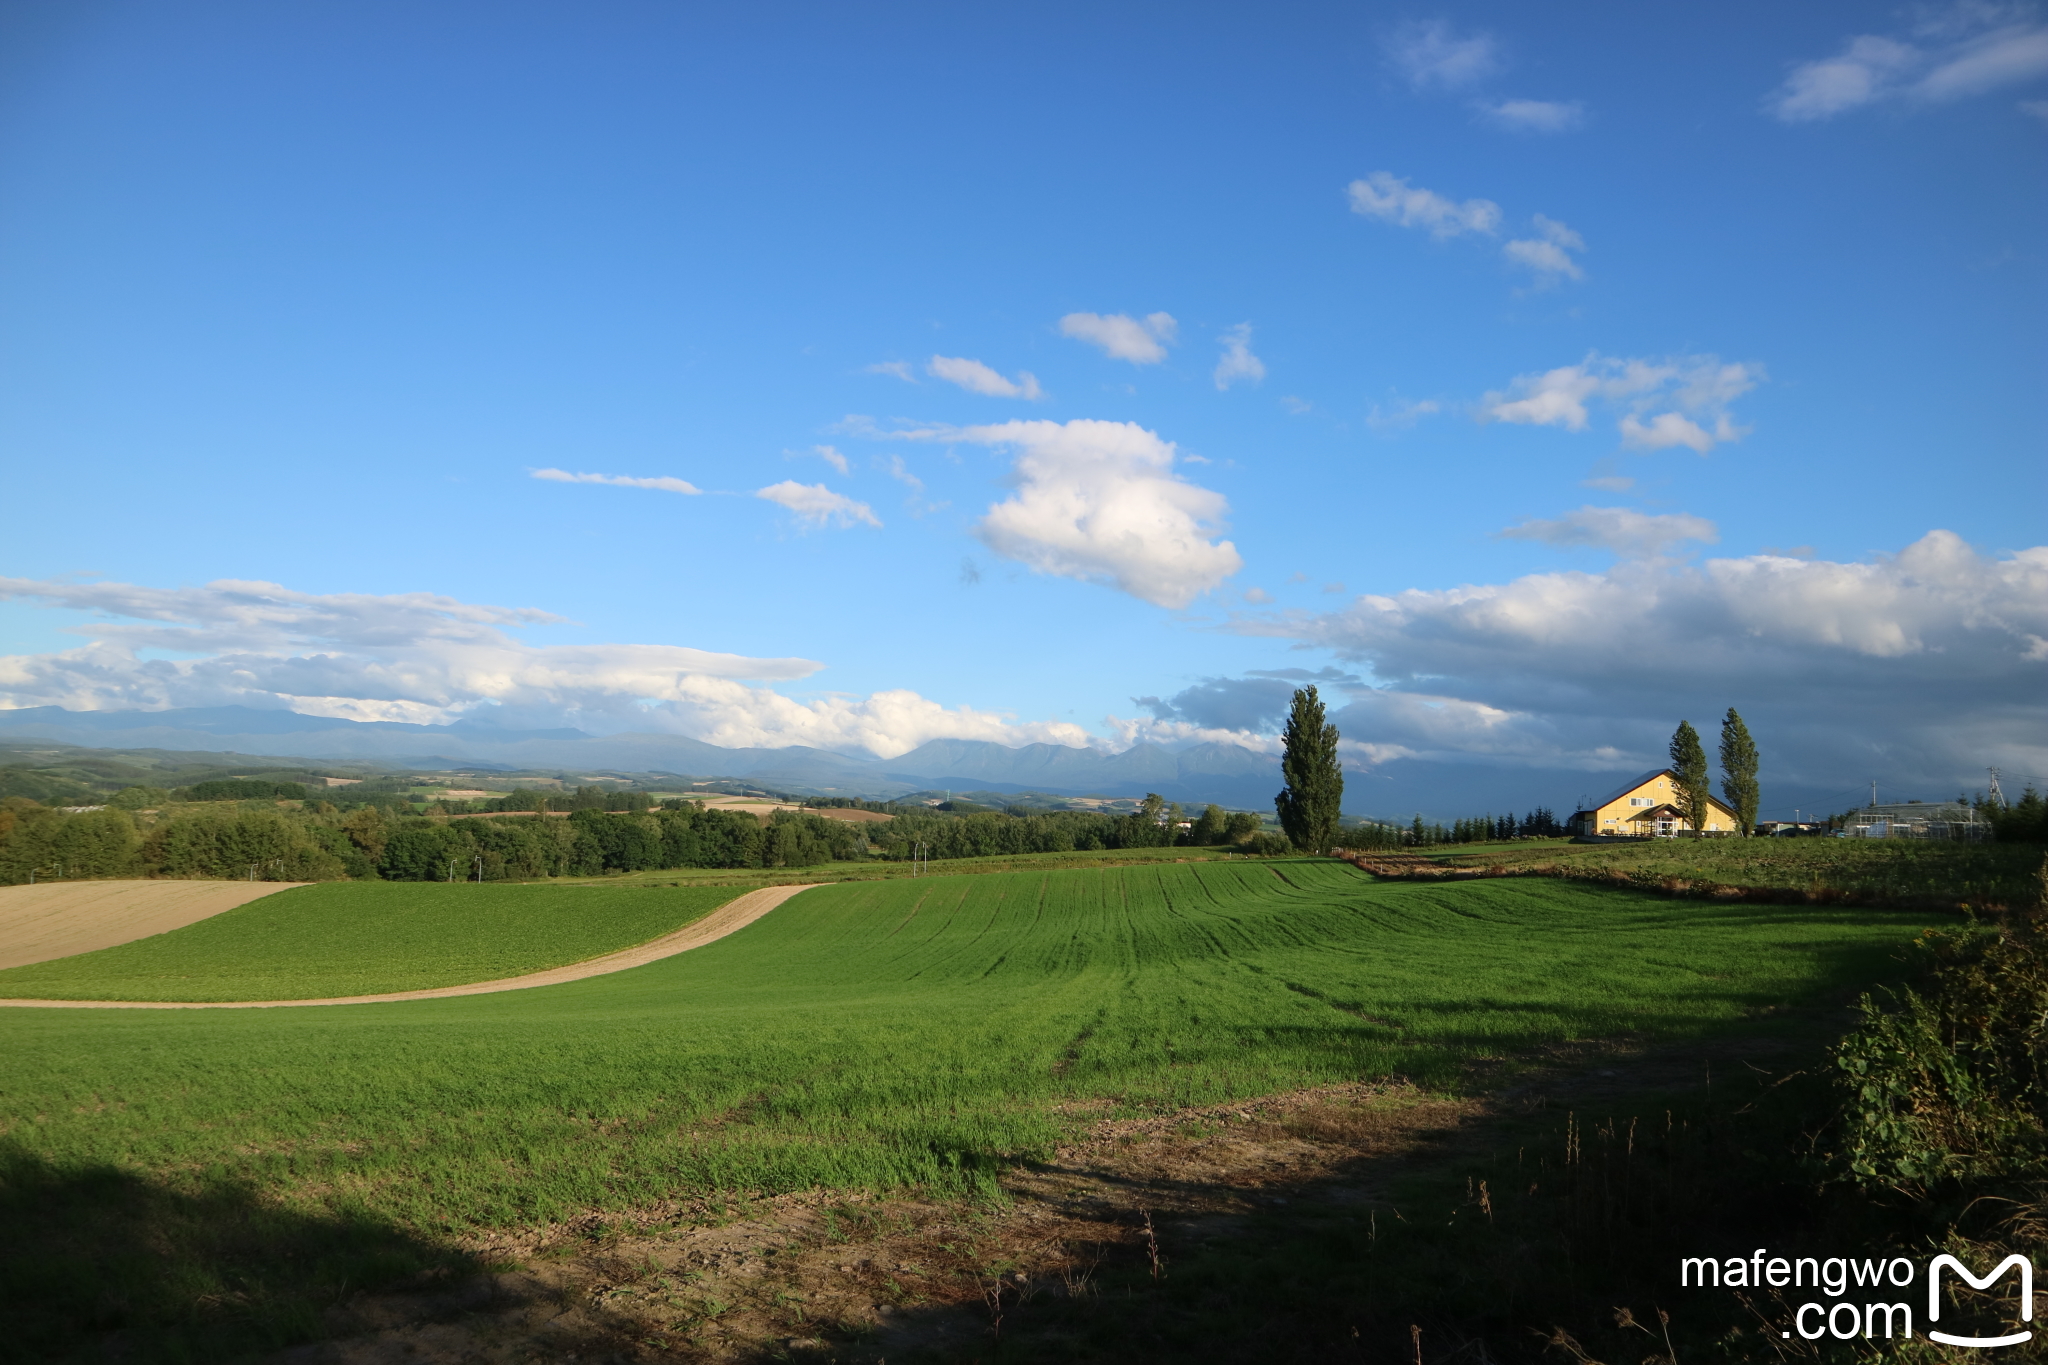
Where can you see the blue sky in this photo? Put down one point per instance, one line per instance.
(308, 295)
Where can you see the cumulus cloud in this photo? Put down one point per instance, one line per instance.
(1123, 337)
(428, 659)
(816, 505)
(1693, 392)
(663, 484)
(1099, 501)
(1620, 529)
(1535, 116)
(1387, 197)
(1967, 49)
(1548, 253)
(1931, 662)
(1432, 54)
(976, 377)
(1238, 362)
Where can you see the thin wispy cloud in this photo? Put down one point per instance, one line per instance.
(976, 377)
(1621, 529)
(1677, 401)
(813, 504)
(898, 369)
(1389, 198)
(1953, 53)
(1535, 116)
(1142, 341)
(1549, 253)
(1432, 54)
(1238, 364)
(662, 484)
(830, 455)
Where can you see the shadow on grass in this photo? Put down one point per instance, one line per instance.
(98, 1263)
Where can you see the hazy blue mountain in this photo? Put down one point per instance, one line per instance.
(1209, 772)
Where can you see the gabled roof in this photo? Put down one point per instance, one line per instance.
(1625, 789)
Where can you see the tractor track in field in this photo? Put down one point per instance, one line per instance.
(729, 918)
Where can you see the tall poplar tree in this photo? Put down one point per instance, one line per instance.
(1315, 780)
(1738, 770)
(1695, 783)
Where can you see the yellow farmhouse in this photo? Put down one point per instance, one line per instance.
(1648, 807)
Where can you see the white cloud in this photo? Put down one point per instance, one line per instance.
(1257, 596)
(1968, 49)
(1549, 252)
(830, 455)
(663, 484)
(1620, 529)
(1536, 116)
(899, 368)
(1296, 407)
(1932, 661)
(1390, 199)
(1099, 501)
(816, 505)
(900, 472)
(2038, 108)
(1401, 415)
(1431, 53)
(976, 377)
(1123, 337)
(1691, 390)
(1238, 362)
(426, 659)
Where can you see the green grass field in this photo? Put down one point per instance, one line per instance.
(369, 938)
(884, 1033)
(1893, 869)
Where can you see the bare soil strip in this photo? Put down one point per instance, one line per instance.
(62, 919)
(729, 918)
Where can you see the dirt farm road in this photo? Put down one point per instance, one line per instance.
(729, 918)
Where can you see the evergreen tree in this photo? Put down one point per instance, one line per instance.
(1738, 770)
(1309, 804)
(1689, 766)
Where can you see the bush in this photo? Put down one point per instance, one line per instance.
(1268, 845)
(1949, 1085)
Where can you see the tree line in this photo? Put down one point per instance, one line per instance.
(324, 841)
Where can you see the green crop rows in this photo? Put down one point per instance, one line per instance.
(884, 1033)
(369, 938)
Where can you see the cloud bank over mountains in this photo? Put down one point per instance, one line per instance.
(1928, 663)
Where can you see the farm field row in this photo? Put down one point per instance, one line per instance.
(879, 1034)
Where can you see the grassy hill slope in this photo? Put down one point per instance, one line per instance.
(369, 938)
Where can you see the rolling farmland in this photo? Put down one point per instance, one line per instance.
(891, 1033)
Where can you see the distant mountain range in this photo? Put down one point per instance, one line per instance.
(1223, 773)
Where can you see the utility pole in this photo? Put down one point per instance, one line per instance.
(1873, 791)
(1995, 797)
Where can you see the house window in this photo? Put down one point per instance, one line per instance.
(1642, 801)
